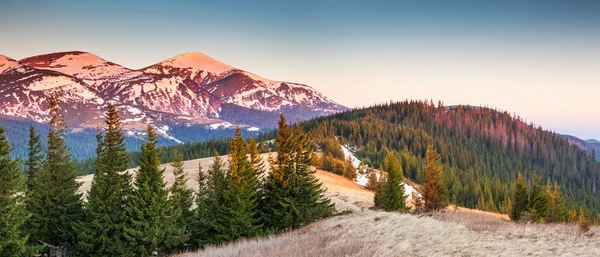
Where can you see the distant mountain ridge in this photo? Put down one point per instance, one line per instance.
(590, 145)
(191, 88)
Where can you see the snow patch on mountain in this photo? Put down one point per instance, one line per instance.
(362, 178)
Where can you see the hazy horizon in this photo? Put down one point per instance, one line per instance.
(537, 59)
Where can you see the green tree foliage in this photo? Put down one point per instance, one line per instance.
(200, 226)
(520, 199)
(102, 233)
(13, 214)
(479, 147)
(236, 216)
(538, 201)
(210, 196)
(435, 193)
(151, 220)
(307, 192)
(182, 198)
(391, 196)
(572, 216)
(291, 194)
(55, 203)
(35, 158)
(557, 211)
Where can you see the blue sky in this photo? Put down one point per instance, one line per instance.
(539, 59)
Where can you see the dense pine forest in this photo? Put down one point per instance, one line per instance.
(482, 150)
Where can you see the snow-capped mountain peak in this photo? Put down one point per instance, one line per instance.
(191, 88)
(78, 64)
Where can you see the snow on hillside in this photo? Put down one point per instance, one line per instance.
(362, 179)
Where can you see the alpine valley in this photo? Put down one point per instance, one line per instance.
(189, 92)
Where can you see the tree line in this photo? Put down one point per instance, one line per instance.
(41, 208)
(482, 150)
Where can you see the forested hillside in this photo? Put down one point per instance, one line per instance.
(482, 150)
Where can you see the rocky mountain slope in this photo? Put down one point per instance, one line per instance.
(191, 88)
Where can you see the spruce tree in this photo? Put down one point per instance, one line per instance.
(55, 204)
(278, 209)
(13, 214)
(308, 193)
(202, 214)
(102, 232)
(391, 197)
(257, 165)
(538, 201)
(556, 203)
(35, 158)
(210, 201)
(237, 215)
(520, 199)
(182, 197)
(435, 193)
(151, 220)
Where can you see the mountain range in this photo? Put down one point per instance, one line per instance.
(190, 89)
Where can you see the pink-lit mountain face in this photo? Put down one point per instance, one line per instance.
(191, 88)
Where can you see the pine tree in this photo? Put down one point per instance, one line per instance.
(372, 180)
(102, 232)
(391, 197)
(13, 214)
(35, 158)
(520, 199)
(202, 214)
(435, 193)
(151, 219)
(572, 216)
(256, 164)
(55, 204)
(278, 209)
(538, 201)
(237, 215)
(308, 193)
(182, 197)
(210, 200)
(291, 194)
(556, 203)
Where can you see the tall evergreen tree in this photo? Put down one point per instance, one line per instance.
(538, 201)
(182, 197)
(435, 193)
(237, 215)
(307, 192)
(55, 204)
(151, 220)
(102, 232)
(13, 214)
(291, 194)
(557, 211)
(278, 209)
(210, 200)
(35, 158)
(257, 165)
(391, 197)
(520, 199)
(201, 230)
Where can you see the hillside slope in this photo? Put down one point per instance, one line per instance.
(365, 232)
(482, 150)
